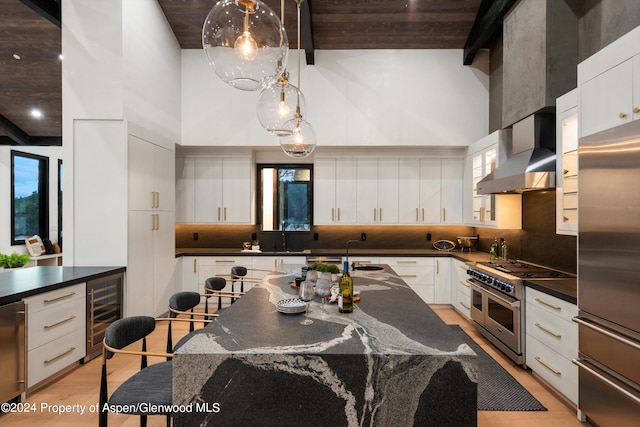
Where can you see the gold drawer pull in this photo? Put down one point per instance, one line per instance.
(53, 359)
(406, 262)
(225, 261)
(555, 307)
(408, 275)
(548, 331)
(547, 366)
(465, 284)
(636, 110)
(47, 301)
(464, 305)
(68, 319)
(622, 115)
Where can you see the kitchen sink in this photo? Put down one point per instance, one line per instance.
(368, 267)
(292, 252)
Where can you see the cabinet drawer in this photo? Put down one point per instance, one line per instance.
(55, 356)
(47, 325)
(409, 261)
(553, 331)
(425, 292)
(553, 368)
(551, 304)
(52, 298)
(462, 303)
(414, 275)
(229, 261)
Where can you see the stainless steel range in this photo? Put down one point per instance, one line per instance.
(497, 294)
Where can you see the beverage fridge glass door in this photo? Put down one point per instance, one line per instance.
(12, 353)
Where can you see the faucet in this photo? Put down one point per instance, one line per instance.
(284, 235)
(347, 249)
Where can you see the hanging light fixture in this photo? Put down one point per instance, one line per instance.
(277, 103)
(245, 43)
(300, 140)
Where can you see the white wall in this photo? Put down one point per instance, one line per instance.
(353, 97)
(120, 76)
(54, 154)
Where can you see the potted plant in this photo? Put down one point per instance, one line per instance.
(255, 245)
(14, 260)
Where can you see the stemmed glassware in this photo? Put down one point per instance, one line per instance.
(306, 295)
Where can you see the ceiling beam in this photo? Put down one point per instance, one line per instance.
(16, 136)
(487, 22)
(49, 9)
(306, 28)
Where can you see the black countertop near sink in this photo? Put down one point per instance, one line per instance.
(565, 289)
(19, 283)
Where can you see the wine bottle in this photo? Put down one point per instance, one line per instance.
(504, 251)
(345, 297)
(493, 253)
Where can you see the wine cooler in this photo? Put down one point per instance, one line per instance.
(104, 306)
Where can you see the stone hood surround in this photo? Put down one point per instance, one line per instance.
(374, 365)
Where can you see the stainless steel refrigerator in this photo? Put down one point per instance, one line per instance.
(609, 276)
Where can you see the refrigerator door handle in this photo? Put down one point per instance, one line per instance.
(584, 322)
(579, 362)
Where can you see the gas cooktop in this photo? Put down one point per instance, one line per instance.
(525, 270)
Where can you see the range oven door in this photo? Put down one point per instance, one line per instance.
(501, 315)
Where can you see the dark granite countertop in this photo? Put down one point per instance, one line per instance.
(565, 289)
(19, 283)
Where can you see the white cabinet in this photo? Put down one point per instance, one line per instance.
(189, 274)
(609, 85)
(377, 191)
(151, 183)
(460, 289)
(552, 341)
(567, 164)
(56, 338)
(214, 190)
(442, 280)
(451, 191)
(417, 272)
(151, 225)
(334, 191)
(489, 210)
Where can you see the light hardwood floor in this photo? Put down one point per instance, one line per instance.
(80, 387)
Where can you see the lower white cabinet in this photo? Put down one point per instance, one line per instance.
(417, 272)
(56, 325)
(552, 341)
(460, 289)
(442, 280)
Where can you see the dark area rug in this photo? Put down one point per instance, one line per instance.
(497, 389)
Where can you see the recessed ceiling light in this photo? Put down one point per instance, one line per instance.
(36, 114)
(16, 56)
(60, 57)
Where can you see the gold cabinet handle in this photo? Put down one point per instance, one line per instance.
(374, 215)
(422, 214)
(565, 219)
(565, 171)
(481, 214)
(333, 210)
(380, 216)
(636, 110)
(437, 266)
(225, 214)
(622, 115)
(225, 261)
(218, 214)
(555, 307)
(53, 325)
(555, 371)
(408, 275)
(53, 359)
(465, 305)
(338, 214)
(406, 262)
(416, 214)
(465, 284)
(47, 301)
(195, 264)
(444, 214)
(548, 331)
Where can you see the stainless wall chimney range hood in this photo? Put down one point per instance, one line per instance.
(532, 166)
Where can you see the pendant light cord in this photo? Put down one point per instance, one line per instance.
(298, 2)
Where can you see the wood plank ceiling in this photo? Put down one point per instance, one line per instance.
(34, 81)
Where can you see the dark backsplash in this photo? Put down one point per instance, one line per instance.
(537, 242)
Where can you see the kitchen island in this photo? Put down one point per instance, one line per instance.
(390, 362)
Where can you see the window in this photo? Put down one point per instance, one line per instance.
(285, 197)
(29, 196)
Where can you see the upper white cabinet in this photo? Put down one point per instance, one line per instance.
(609, 85)
(150, 179)
(213, 190)
(377, 191)
(334, 191)
(567, 164)
(430, 191)
(489, 210)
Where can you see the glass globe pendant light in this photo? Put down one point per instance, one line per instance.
(277, 103)
(301, 141)
(245, 43)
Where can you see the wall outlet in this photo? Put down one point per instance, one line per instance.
(363, 236)
(195, 236)
(428, 237)
(315, 236)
